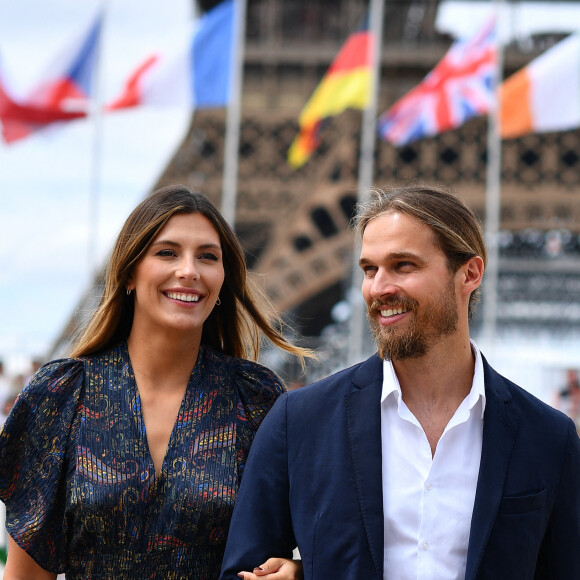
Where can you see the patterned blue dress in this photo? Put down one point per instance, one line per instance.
(79, 483)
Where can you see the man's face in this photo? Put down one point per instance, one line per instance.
(409, 290)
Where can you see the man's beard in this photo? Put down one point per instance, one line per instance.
(438, 318)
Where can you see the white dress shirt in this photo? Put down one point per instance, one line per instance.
(428, 501)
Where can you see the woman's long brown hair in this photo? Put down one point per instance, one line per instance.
(236, 327)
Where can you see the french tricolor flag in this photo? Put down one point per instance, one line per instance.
(62, 95)
(198, 76)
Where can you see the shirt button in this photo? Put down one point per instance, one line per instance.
(425, 546)
(428, 485)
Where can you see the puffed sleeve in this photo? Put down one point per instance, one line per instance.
(258, 388)
(33, 461)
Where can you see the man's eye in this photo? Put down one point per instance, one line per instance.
(405, 265)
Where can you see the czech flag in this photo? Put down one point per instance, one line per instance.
(198, 76)
(545, 95)
(347, 83)
(64, 93)
(460, 87)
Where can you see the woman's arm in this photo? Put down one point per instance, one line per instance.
(276, 569)
(20, 566)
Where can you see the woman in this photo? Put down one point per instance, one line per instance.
(124, 460)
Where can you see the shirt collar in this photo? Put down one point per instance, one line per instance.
(391, 386)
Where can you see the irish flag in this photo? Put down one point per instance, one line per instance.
(346, 84)
(545, 95)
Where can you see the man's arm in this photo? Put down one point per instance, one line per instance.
(261, 526)
(559, 557)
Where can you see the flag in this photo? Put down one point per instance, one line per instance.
(347, 83)
(197, 76)
(544, 95)
(18, 120)
(62, 95)
(460, 87)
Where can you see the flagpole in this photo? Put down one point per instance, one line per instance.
(96, 153)
(493, 198)
(365, 176)
(232, 140)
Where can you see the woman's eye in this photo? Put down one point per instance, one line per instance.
(165, 253)
(209, 256)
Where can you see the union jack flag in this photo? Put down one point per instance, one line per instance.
(460, 87)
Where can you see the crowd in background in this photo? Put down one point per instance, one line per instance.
(567, 399)
(10, 386)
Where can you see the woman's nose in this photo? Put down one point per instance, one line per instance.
(188, 269)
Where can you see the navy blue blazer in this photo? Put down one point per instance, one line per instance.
(313, 480)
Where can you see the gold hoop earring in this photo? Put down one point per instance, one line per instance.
(218, 301)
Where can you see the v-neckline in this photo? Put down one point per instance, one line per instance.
(140, 419)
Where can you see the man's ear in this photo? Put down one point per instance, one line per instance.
(472, 274)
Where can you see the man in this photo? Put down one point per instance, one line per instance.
(421, 462)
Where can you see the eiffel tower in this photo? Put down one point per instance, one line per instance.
(294, 224)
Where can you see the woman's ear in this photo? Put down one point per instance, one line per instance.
(129, 284)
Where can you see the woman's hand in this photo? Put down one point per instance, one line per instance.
(276, 569)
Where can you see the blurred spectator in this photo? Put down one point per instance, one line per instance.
(5, 394)
(568, 398)
(36, 364)
(11, 388)
(17, 384)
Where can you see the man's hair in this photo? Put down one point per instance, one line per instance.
(456, 227)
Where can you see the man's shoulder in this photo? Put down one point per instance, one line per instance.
(359, 375)
(520, 399)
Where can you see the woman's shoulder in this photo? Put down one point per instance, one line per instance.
(253, 372)
(257, 386)
(247, 374)
(63, 374)
(55, 377)
(49, 400)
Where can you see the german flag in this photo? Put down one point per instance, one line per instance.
(347, 83)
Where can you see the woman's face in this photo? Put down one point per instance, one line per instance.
(178, 280)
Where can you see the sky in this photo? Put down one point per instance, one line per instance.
(517, 19)
(50, 237)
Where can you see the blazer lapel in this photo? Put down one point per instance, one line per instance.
(499, 432)
(363, 416)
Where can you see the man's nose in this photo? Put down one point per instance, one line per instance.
(383, 285)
